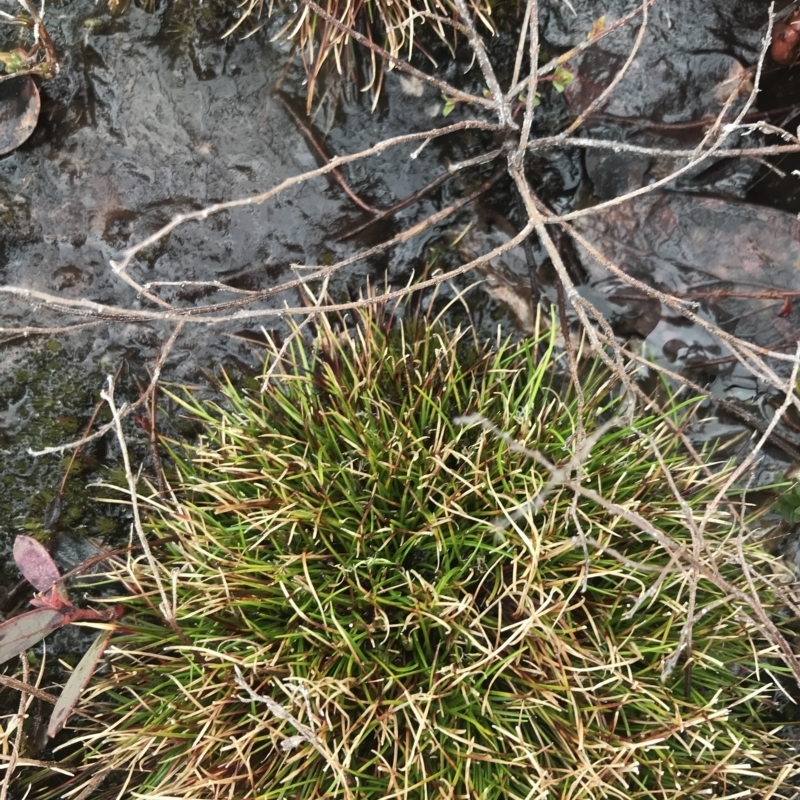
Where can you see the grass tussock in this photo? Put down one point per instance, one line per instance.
(337, 543)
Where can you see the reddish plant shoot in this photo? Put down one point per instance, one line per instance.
(53, 610)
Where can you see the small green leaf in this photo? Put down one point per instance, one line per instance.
(561, 79)
(788, 505)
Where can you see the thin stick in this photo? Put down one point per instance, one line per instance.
(179, 219)
(83, 307)
(16, 749)
(125, 409)
(560, 475)
(604, 95)
(87, 428)
(747, 463)
(153, 440)
(545, 143)
(526, 24)
(745, 353)
(304, 732)
(501, 106)
(35, 691)
(321, 153)
(532, 12)
(556, 62)
(35, 331)
(438, 181)
(731, 408)
(700, 154)
(164, 607)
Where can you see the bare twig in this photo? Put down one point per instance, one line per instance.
(561, 476)
(701, 154)
(207, 314)
(606, 93)
(304, 732)
(532, 20)
(165, 608)
(548, 142)
(16, 747)
(120, 266)
(554, 63)
(125, 409)
(747, 464)
(321, 153)
(499, 104)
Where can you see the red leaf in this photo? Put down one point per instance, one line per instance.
(35, 563)
(20, 633)
(786, 308)
(73, 690)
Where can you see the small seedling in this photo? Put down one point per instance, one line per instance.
(52, 610)
(561, 79)
(15, 61)
(449, 105)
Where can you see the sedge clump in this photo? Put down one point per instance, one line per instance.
(372, 601)
(322, 33)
